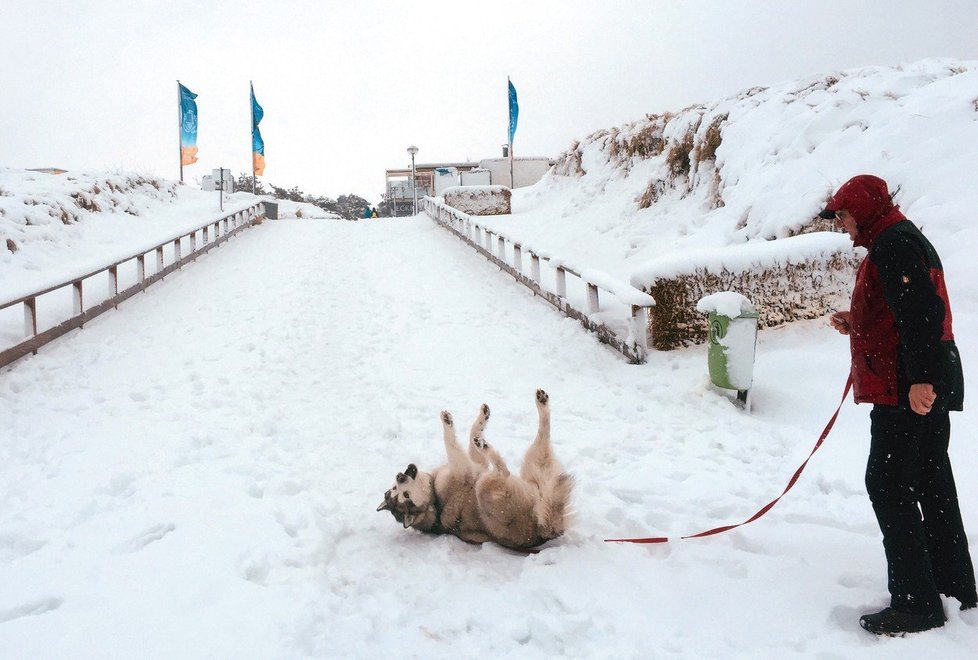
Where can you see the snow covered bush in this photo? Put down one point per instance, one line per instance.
(479, 200)
(803, 277)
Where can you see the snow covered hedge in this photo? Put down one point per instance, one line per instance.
(479, 200)
(802, 277)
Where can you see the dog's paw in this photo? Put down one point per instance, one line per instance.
(446, 418)
(542, 397)
(480, 443)
(485, 411)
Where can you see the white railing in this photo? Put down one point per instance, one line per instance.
(496, 246)
(168, 257)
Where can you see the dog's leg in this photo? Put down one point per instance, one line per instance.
(539, 455)
(457, 459)
(497, 461)
(477, 440)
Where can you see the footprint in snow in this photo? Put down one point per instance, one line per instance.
(141, 540)
(33, 608)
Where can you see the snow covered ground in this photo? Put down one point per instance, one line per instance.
(196, 474)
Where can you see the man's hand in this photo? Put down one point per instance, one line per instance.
(840, 321)
(922, 397)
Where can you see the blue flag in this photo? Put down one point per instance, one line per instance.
(257, 144)
(514, 112)
(188, 126)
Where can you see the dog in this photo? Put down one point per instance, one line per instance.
(476, 498)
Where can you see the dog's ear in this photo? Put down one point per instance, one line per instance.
(410, 518)
(384, 506)
(412, 471)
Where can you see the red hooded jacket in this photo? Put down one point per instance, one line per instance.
(900, 317)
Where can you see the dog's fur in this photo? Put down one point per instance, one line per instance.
(475, 497)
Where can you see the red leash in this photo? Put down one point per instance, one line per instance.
(767, 507)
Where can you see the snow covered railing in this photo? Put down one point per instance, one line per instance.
(634, 346)
(169, 256)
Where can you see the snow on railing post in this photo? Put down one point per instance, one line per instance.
(561, 282)
(193, 242)
(535, 267)
(501, 243)
(639, 329)
(518, 257)
(159, 259)
(30, 318)
(478, 235)
(205, 235)
(141, 268)
(489, 236)
(592, 299)
(176, 250)
(77, 298)
(114, 282)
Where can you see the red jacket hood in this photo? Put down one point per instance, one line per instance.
(867, 199)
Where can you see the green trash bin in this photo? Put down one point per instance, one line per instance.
(732, 338)
(731, 353)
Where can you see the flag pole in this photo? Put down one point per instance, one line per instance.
(512, 181)
(180, 130)
(251, 104)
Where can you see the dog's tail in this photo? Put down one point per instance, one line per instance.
(555, 516)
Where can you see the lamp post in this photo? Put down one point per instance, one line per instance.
(414, 177)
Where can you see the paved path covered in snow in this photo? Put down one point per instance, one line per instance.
(196, 474)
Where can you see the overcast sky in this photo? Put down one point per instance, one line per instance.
(347, 86)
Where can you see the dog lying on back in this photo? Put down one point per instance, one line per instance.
(475, 497)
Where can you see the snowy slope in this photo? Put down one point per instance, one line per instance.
(782, 151)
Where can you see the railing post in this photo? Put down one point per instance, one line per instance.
(478, 235)
(77, 298)
(141, 268)
(592, 299)
(535, 267)
(177, 253)
(159, 259)
(501, 243)
(640, 328)
(30, 318)
(205, 234)
(114, 282)
(561, 282)
(517, 258)
(488, 241)
(193, 244)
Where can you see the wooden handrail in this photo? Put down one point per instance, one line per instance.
(634, 347)
(237, 221)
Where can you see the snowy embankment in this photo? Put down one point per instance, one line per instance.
(760, 165)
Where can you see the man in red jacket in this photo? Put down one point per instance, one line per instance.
(905, 362)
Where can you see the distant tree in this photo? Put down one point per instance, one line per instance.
(351, 206)
(243, 184)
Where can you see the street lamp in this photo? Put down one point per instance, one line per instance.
(414, 178)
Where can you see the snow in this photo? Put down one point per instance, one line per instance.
(195, 474)
(728, 303)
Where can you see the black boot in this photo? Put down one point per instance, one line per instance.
(897, 624)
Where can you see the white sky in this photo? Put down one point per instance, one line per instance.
(347, 86)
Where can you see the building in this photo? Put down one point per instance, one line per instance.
(433, 178)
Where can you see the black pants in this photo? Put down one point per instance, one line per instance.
(910, 484)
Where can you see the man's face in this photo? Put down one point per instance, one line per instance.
(845, 220)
